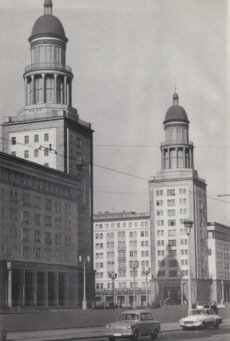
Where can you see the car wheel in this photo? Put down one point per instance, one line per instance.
(111, 338)
(154, 334)
(135, 335)
(202, 327)
(216, 325)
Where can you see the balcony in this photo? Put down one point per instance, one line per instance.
(48, 66)
(176, 143)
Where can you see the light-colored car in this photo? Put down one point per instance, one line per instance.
(132, 324)
(201, 318)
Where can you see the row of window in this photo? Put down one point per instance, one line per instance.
(172, 242)
(171, 213)
(25, 199)
(47, 236)
(172, 262)
(171, 273)
(132, 234)
(170, 192)
(124, 224)
(172, 202)
(35, 138)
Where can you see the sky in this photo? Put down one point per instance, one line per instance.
(127, 57)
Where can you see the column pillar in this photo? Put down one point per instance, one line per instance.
(70, 93)
(189, 158)
(46, 288)
(169, 156)
(26, 91)
(184, 158)
(55, 89)
(9, 287)
(65, 89)
(56, 301)
(35, 288)
(177, 162)
(43, 88)
(32, 89)
(162, 159)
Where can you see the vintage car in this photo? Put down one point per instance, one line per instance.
(132, 324)
(201, 318)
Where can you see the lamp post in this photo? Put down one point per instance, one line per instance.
(84, 302)
(146, 272)
(134, 264)
(113, 276)
(188, 225)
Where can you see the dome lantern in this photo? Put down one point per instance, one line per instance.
(48, 6)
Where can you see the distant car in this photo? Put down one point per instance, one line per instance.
(132, 324)
(201, 318)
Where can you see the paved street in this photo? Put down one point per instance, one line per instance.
(170, 332)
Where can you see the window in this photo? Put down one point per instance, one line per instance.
(47, 237)
(25, 217)
(172, 253)
(171, 202)
(171, 233)
(171, 213)
(47, 221)
(26, 139)
(26, 154)
(25, 252)
(48, 204)
(36, 138)
(37, 253)
(161, 273)
(37, 202)
(49, 89)
(13, 153)
(46, 152)
(172, 273)
(13, 140)
(170, 192)
(26, 235)
(172, 222)
(172, 263)
(38, 90)
(35, 152)
(46, 137)
(159, 202)
(37, 236)
(37, 219)
(172, 242)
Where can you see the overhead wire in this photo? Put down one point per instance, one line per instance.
(112, 170)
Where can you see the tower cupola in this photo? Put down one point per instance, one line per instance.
(177, 151)
(48, 80)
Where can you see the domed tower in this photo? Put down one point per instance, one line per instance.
(48, 79)
(176, 151)
(177, 194)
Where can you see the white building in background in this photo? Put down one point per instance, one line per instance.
(118, 239)
(219, 260)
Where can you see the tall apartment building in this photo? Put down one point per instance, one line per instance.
(48, 130)
(178, 194)
(219, 261)
(118, 239)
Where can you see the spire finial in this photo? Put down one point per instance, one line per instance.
(48, 6)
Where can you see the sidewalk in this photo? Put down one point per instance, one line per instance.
(79, 333)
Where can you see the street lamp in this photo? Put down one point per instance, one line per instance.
(84, 302)
(113, 276)
(188, 225)
(146, 272)
(134, 264)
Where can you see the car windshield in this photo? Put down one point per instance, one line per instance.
(197, 312)
(128, 317)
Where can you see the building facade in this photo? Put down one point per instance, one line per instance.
(178, 194)
(120, 240)
(40, 227)
(219, 261)
(48, 130)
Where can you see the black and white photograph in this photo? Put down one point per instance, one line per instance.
(114, 170)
